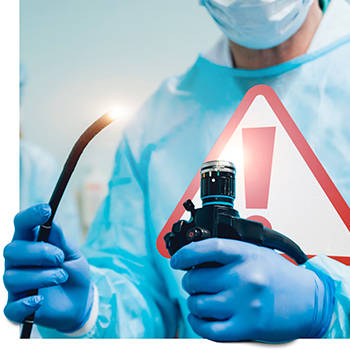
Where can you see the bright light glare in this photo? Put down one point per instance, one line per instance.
(115, 112)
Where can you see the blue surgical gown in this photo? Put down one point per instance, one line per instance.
(165, 145)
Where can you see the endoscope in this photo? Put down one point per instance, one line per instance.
(218, 218)
(58, 191)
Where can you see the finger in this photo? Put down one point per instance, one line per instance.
(213, 330)
(75, 263)
(220, 250)
(24, 253)
(18, 310)
(69, 248)
(207, 280)
(211, 306)
(222, 331)
(18, 281)
(26, 220)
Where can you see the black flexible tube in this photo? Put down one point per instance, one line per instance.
(275, 240)
(57, 194)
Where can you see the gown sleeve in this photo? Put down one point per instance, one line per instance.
(133, 300)
(340, 273)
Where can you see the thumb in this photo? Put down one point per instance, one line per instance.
(27, 221)
(220, 250)
(18, 310)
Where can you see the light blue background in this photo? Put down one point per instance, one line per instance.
(85, 56)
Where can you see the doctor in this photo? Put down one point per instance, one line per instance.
(119, 286)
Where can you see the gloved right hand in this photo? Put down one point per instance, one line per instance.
(255, 293)
(57, 268)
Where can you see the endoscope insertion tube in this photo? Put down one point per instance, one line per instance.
(57, 194)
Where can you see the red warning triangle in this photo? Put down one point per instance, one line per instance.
(279, 181)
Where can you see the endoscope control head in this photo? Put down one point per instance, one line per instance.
(218, 219)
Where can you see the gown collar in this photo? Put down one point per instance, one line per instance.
(333, 31)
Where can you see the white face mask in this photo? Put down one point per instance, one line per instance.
(258, 24)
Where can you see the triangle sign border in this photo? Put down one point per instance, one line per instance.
(298, 140)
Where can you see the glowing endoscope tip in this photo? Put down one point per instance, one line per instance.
(115, 113)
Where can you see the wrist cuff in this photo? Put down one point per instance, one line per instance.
(90, 321)
(324, 306)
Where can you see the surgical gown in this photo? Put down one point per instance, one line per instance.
(165, 145)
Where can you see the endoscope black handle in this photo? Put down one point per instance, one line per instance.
(228, 224)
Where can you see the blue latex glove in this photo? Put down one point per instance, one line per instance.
(57, 269)
(256, 295)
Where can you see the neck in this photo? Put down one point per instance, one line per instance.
(297, 45)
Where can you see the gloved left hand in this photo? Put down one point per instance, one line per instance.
(57, 268)
(255, 295)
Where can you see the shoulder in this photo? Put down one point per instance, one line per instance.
(168, 107)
